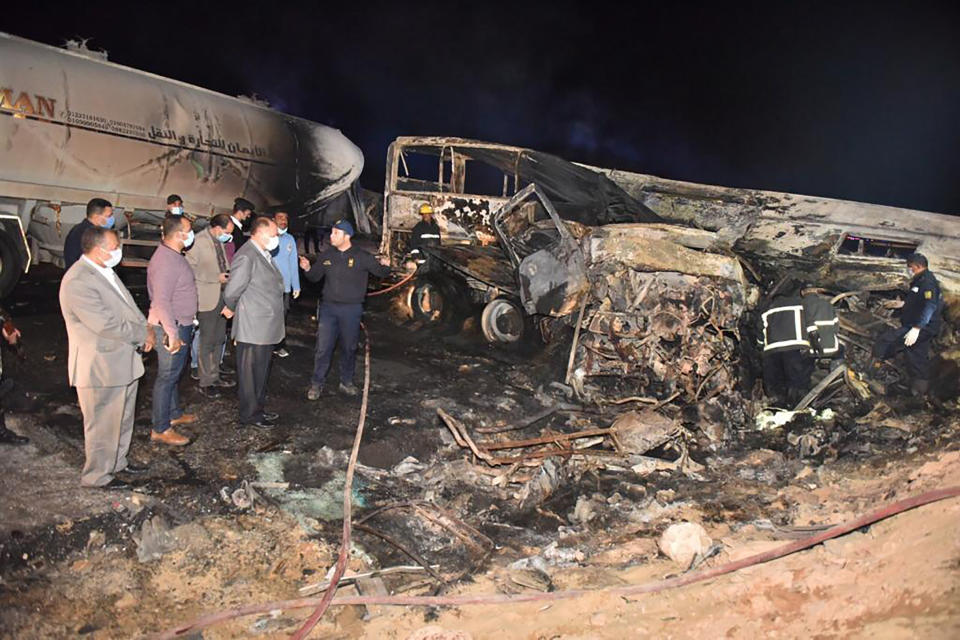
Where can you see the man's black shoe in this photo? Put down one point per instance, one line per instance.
(225, 384)
(271, 416)
(134, 468)
(348, 389)
(9, 437)
(210, 392)
(116, 483)
(194, 373)
(228, 370)
(262, 423)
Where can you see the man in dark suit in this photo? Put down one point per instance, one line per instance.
(242, 211)
(254, 294)
(99, 214)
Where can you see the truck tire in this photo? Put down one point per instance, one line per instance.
(10, 269)
(437, 300)
(502, 320)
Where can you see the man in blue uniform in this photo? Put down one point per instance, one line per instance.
(285, 257)
(346, 269)
(919, 325)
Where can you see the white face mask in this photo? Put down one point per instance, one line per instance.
(177, 211)
(189, 240)
(281, 230)
(115, 256)
(273, 242)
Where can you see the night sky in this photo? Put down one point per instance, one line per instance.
(859, 102)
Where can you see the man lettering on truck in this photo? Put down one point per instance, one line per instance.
(99, 214)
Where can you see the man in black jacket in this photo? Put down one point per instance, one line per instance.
(242, 210)
(346, 270)
(919, 325)
(99, 214)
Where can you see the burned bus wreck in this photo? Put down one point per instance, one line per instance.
(656, 280)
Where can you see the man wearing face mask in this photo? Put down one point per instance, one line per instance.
(208, 260)
(254, 294)
(285, 258)
(920, 323)
(99, 214)
(174, 205)
(173, 308)
(106, 334)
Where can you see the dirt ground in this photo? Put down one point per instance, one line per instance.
(73, 562)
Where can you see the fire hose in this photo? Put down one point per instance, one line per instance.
(380, 292)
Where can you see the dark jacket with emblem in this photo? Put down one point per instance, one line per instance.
(923, 306)
(346, 274)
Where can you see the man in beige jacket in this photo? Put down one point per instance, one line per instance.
(106, 334)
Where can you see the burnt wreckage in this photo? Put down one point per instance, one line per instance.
(657, 278)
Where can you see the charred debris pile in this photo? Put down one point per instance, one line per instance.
(656, 323)
(651, 400)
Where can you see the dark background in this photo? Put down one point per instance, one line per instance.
(858, 101)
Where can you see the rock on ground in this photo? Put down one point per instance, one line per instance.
(682, 542)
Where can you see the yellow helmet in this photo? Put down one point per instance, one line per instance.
(426, 209)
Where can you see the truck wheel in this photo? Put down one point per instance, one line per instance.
(502, 321)
(10, 269)
(437, 300)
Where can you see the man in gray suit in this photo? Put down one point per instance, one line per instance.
(254, 293)
(208, 260)
(106, 334)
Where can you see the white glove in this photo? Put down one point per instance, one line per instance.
(911, 338)
(296, 294)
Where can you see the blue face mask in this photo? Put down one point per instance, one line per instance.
(110, 222)
(224, 237)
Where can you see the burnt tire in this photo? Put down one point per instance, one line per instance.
(10, 269)
(438, 300)
(503, 321)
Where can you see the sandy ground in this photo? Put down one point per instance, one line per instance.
(69, 564)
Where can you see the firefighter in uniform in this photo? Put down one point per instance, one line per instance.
(426, 233)
(792, 331)
(345, 270)
(821, 322)
(919, 324)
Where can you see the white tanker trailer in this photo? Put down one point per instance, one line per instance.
(74, 126)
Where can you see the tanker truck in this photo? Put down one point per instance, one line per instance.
(74, 126)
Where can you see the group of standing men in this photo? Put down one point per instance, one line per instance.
(197, 281)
